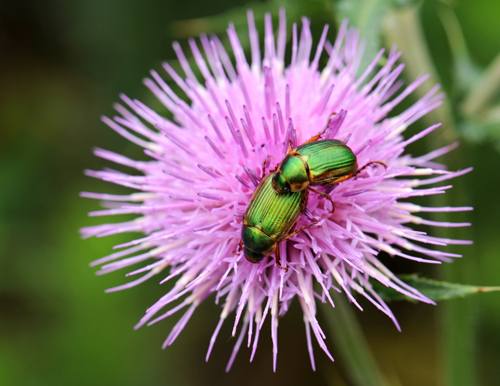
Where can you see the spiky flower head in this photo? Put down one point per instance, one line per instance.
(205, 163)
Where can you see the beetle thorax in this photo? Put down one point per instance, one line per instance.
(295, 169)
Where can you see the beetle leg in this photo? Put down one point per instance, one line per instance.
(300, 230)
(240, 247)
(349, 176)
(264, 166)
(274, 170)
(371, 163)
(357, 172)
(318, 136)
(277, 255)
(327, 196)
(315, 138)
(340, 179)
(276, 167)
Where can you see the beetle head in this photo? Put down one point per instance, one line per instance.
(257, 244)
(252, 256)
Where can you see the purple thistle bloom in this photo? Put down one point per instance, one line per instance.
(206, 162)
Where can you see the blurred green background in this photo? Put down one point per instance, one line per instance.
(63, 64)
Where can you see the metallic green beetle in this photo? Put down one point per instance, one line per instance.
(269, 219)
(316, 163)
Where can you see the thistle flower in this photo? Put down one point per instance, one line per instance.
(204, 165)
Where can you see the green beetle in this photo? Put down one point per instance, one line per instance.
(316, 163)
(269, 219)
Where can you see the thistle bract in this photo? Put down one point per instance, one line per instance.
(204, 164)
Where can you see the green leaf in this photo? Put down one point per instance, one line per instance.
(403, 28)
(433, 289)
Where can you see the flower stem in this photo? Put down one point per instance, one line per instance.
(456, 324)
(458, 316)
(484, 91)
(459, 337)
(403, 28)
(351, 345)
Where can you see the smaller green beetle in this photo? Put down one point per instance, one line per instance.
(316, 163)
(269, 219)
